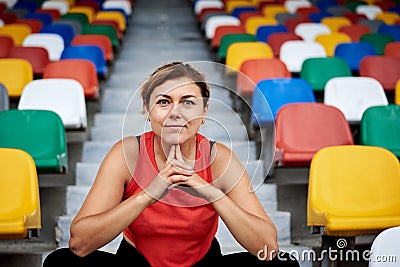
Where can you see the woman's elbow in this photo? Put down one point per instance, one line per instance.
(76, 245)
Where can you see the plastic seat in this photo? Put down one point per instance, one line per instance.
(370, 11)
(294, 53)
(338, 10)
(6, 43)
(34, 24)
(334, 23)
(96, 39)
(382, 68)
(221, 31)
(206, 12)
(199, 5)
(17, 31)
(19, 198)
(8, 18)
(231, 5)
(62, 6)
(95, 5)
(281, 18)
(218, 20)
(76, 26)
(106, 30)
(55, 14)
(309, 30)
(318, 71)
(292, 5)
(89, 52)
(355, 31)
(4, 99)
(38, 57)
(380, 126)
(240, 9)
(271, 94)
(273, 9)
(63, 96)
(45, 18)
(253, 23)
(302, 129)
(121, 4)
(392, 49)
(66, 31)
(393, 30)
(384, 251)
(388, 17)
(252, 71)
(275, 40)
(239, 52)
(353, 190)
(46, 143)
(264, 31)
(353, 95)
(331, 41)
(15, 73)
(378, 40)
(88, 11)
(291, 23)
(112, 15)
(82, 70)
(230, 39)
(53, 43)
(373, 25)
(79, 17)
(354, 52)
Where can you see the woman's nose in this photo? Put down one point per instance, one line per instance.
(176, 111)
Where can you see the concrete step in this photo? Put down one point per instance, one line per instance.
(95, 151)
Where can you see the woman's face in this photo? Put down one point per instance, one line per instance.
(176, 110)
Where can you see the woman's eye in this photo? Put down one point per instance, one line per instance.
(163, 102)
(188, 103)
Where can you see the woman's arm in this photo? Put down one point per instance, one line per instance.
(240, 208)
(103, 216)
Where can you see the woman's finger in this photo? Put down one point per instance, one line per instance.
(182, 166)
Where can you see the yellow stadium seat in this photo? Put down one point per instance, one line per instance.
(387, 17)
(271, 10)
(19, 195)
(15, 73)
(331, 40)
(231, 5)
(112, 15)
(254, 22)
(17, 32)
(353, 190)
(240, 51)
(88, 11)
(334, 23)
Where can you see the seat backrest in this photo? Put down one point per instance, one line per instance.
(82, 70)
(221, 31)
(66, 31)
(229, 39)
(292, 5)
(264, 31)
(271, 94)
(113, 15)
(293, 53)
(96, 39)
(369, 11)
(392, 49)
(63, 96)
(380, 126)
(331, 41)
(17, 31)
(318, 71)
(252, 71)
(309, 30)
(125, 5)
(62, 6)
(253, 23)
(199, 5)
(6, 43)
(353, 182)
(213, 22)
(355, 31)
(275, 40)
(40, 133)
(38, 57)
(393, 30)
(4, 99)
(373, 25)
(19, 195)
(53, 43)
(382, 68)
(304, 128)
(388, 17)
(354, 52)
(106, 30)
(378, 40)
(34, 24)
(79, 17)
(384, 249)
(334, 23)
(240, 51)
(15, 73)
(353, 95)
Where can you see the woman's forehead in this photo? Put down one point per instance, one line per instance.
(176, 87)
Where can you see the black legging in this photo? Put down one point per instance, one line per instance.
(128, 255)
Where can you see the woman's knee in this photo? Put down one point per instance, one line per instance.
(59, 257)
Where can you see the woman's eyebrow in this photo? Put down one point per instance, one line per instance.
(169, 97)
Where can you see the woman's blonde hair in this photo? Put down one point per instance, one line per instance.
(172, 71)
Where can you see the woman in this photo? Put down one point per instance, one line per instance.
(166, 189)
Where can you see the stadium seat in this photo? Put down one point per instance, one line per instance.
(334, 23)
(378, 40)
(96, 39)
(40, 133)
(66, 31)
(16, 31)
(384, 250)
(309, 30)
(88, 11)
(63, 96)
(302, 129)
(331, 40)
(53, 43)
(294, 53)
(6, 43)
(79, 17)
(388, 17)
(370, 11)
(252, 71)
(229, 39)
(221, 31)
(82, 70)
(353, 17)
(54, 13)
(19, 198)
(292, 5)
(373, 25)
(45, 18)
(281, 18)
(253, 23)
(353, 95)
(380, 126)
(383, 68)
(271, 94)
(275, 41)
(38, 57)
(34, 24)
(218, 20)
(231, 5)
(124, 5)
(392, 49)
(76, 26)
(353, 190)
(264, 31)
(4, 99)
(354, 52)
(199, 5)
(240, 51)
(15, 73)
(291, 23)
(62, 6)
(106, 30)
(89, 52)
(272, 10)
(355, 31)
(241, 9)
(393, 30)
(318, 71)
(112, 15)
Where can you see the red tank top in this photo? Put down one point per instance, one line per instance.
(178, 229)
